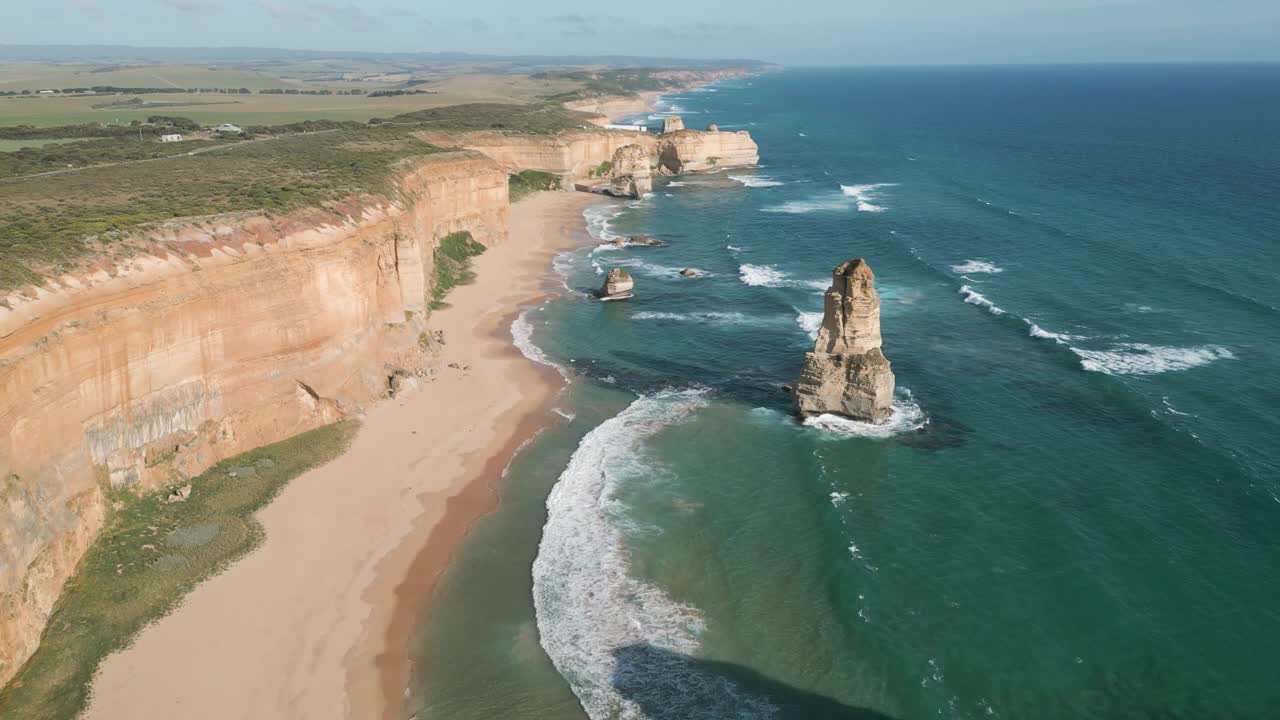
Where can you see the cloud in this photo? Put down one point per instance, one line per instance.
(347, 14)
(284, 11)
(193, 7)
(88, 7)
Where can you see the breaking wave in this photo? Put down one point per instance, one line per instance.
(756, 181)
(592, 614)
(973, 297)
(864, 194)
(975, 266)
(522, 338)
(810, 322)
(600, 220)
(906, 416)
(656, 269)
(769, 276)
(1143, 359)
(727, 318)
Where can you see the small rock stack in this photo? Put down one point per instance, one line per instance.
(847, 374)
(674, 123)
(617, 285)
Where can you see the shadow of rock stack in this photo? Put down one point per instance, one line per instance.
(847, 374)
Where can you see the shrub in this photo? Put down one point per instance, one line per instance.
(531, 181)
(452, 265)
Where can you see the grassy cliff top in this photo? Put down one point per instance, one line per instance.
(50, 221)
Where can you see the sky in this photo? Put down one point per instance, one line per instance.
(793, 32)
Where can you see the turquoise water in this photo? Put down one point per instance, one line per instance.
(1074, 512)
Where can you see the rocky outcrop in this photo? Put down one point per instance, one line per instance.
(221, 335)
(577, 155)
(573, 155)
(686, 151)
(672, 124)
(632, 175)
(617, 285)
(847, 374)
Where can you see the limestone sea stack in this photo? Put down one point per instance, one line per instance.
(847, 374)
(617, 285)
(632, 175)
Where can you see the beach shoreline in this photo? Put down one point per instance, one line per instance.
(325, 608)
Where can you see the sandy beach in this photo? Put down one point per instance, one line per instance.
(315, 623)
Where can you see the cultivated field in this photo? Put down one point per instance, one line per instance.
(251, 109)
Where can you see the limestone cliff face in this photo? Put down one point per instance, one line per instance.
(572, 154)
(847, 373)
(686, 151)
(227, 334)
(632, 174)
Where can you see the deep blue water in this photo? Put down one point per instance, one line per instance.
(1076, 511)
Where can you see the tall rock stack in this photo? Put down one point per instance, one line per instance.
(675, 123)
(847, 374)
(632, 174)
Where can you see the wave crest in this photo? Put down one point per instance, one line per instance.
(588, 608)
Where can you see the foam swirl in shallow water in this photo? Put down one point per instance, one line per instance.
(601, 627)
(907, 416)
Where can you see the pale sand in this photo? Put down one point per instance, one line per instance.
(314, 624)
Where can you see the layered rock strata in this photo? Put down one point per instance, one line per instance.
(617, 285)
(222, 335)
(575, 155)
(847, 374)
(632, 174)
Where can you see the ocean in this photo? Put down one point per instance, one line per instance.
(1075, 510)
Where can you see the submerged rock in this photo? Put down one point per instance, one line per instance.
(617, 285)
(690, 272)
(634, 241)
(847, 374)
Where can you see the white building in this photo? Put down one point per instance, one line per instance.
(170, 138)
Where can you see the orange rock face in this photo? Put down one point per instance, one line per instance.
(225, 335)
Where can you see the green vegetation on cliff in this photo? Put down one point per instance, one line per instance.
(536, 119)
(452, 265)
(152, 552)
(49, 222)
(531, 181)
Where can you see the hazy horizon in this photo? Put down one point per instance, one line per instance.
(812, 32)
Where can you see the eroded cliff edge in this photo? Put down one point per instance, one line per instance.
(223, 334)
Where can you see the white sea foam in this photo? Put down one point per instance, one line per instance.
(1143, 359)
(839, 498)
(1039, 332)
(809, 322)
(732, 248)
(864, 194)
(802, 135)
(656, 269)
(850, 196)
(726, 318)
(906, 416)
(761, 276)
(976, 266)
(599, 220)
(676, 183)
(756, 181)
(589, 608)
(973, 297)
(522, 337)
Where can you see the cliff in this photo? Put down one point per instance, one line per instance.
(847, 373)
(223, 334)
(684, 151)
(575, 154)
